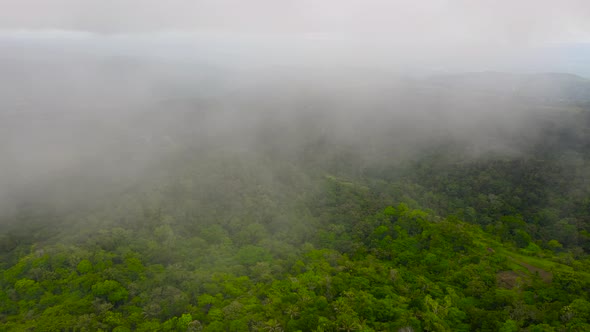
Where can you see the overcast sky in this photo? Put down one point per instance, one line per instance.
(447, 35)
(401, 21)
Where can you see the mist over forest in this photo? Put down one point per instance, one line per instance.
(313, 167)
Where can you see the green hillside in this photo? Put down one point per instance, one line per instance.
(348, 263)
(316, 217)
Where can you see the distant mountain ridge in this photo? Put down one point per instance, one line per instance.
(546, 87)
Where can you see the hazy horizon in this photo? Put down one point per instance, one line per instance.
(88, 84)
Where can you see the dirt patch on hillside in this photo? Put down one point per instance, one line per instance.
(509, 279)
(546, 276)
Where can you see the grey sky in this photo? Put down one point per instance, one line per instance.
(502, 22)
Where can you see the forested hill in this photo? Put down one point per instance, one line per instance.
(554, 88)
(313, 207)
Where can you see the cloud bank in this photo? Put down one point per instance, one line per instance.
(397, 21)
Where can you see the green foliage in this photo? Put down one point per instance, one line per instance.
(84, 267)
(111, 290)
(439, 243)
(250, 255)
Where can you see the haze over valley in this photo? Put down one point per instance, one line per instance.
(282, 166)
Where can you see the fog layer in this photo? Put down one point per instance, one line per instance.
(99, 111)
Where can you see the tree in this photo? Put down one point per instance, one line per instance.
(111, 290)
